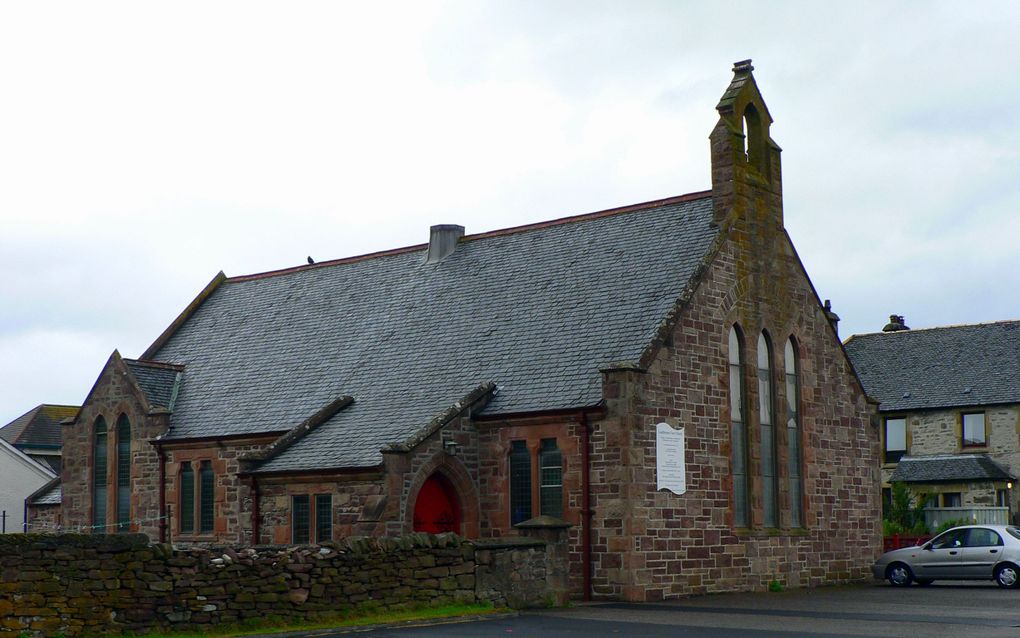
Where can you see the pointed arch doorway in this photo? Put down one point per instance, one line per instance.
(437, 508)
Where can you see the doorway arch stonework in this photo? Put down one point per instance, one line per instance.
(463, 488)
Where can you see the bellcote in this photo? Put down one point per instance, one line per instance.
(745, 159)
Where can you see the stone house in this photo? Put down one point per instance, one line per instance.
(949, 405)
(661, 376)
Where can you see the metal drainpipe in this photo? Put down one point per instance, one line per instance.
(162, 492)
(586, 512)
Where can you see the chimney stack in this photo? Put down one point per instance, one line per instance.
(895, 324)
(831, 316)
(443, 240)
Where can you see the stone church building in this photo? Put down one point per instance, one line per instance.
(478, 381)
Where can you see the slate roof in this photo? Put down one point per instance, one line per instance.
(49, 494)
(536, 310)
(956, 366)
(158, 381)
(39, 427)
(947, 468)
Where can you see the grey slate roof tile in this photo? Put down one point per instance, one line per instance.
(948, 468)
(157, 381)
(40, 426)
(49, 494)
(537, 311)
(956, 366)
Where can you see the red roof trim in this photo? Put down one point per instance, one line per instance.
(689, 197)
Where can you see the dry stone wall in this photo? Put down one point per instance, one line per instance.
(79, 584)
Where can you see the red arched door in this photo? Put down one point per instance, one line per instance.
(436, 509)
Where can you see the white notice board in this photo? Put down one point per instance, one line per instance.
(670, 468)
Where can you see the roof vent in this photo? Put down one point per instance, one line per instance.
(895, 324)
(443, 241)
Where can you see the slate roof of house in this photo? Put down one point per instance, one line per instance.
(537, 310)
(39, 427)
(955, 366)
(158, 381)
(946, 468)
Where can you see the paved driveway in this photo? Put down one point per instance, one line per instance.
(973, 610)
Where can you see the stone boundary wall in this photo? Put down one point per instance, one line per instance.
(91, 584)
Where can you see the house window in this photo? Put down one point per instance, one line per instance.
(793, 433)
(123, 474)
(197, 497)
(550, 464)
(895, 439)
(187, 504)
(520, 482)
(1001, 498)
(974, 430)
(99, 464)
(738, 431)
(766, 417)
(323, 517)
(951, 499)
(300, 522)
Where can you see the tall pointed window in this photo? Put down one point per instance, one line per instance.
(123, 473)
(738, 430)
(99, 465)
(766, 419)
(793, 433)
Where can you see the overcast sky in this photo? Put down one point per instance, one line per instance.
(146, 146)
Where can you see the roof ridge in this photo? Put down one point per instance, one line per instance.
(512, 230)
(951, 326)
(149, 363)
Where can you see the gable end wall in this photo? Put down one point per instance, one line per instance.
(652, 545)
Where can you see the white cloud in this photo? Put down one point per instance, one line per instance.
(146, 147)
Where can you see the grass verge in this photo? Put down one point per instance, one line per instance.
(354, 618)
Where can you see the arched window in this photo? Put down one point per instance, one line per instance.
(766, 419)
(738, 430)
(99, 465)
(550, 468)
(754, 142)
(123, 473)
(793, 432)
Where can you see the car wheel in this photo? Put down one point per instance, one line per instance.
(924, 582)
(899, 575)
(1007, 575)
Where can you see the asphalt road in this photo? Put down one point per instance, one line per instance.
(973, 610)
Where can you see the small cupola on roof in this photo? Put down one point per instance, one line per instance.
(443, 240)
(895, 324)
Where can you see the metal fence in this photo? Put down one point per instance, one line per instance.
(936, 516)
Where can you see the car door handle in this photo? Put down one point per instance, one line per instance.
(952, 553)
(993, 551)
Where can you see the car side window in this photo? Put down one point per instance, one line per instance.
(981, 537)
(952, 538)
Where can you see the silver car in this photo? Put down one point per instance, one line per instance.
(970, 552)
